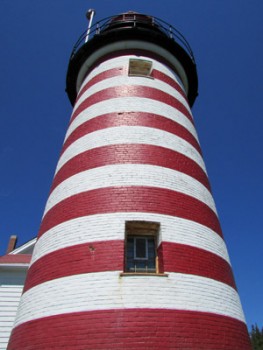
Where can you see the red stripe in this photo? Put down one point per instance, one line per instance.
(99, 257)
(119, 71)
(131, 91)
(168, 80)
(181, 258)
(75, 260)
(150, 120)
(110, 73)
(130, 199)
(130, 154)
(134, 329)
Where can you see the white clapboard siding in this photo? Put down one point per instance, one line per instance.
(9, 299)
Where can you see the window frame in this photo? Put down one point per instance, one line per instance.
(141, 229)
(136, 238)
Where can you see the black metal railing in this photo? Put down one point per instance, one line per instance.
(132, 20)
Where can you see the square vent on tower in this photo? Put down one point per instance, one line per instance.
(139, 67)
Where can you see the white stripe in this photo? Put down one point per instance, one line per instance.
(132, 104)
(130, 135)
(130, 175)
(122, 62)
(126, 82)
(104, 227)
(107, 291)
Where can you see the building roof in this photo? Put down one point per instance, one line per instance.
(15, 259)
(20, 256)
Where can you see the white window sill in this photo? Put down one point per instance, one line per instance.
(127, 274)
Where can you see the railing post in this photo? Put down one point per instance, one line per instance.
(90, 14)
(97, 28)
(171, 32)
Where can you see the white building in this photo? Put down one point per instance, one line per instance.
(13, 269)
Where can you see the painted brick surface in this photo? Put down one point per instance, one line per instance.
(107, 290)
(130, 135)
(194, 261)
(153, 329)
(130, 175)
(132, 105)
(133, 91)
(132, 198)
(97, 256)
(131, 152)
(118, 66)
(149, 86)
(132, 119)
(95, 228)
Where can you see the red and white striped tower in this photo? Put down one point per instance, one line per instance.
(130, 253)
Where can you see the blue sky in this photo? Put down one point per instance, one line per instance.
(226, 36)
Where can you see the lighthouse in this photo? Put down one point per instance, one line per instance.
(130, 252)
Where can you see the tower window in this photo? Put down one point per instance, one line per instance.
(139, 67)
(141, 247)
